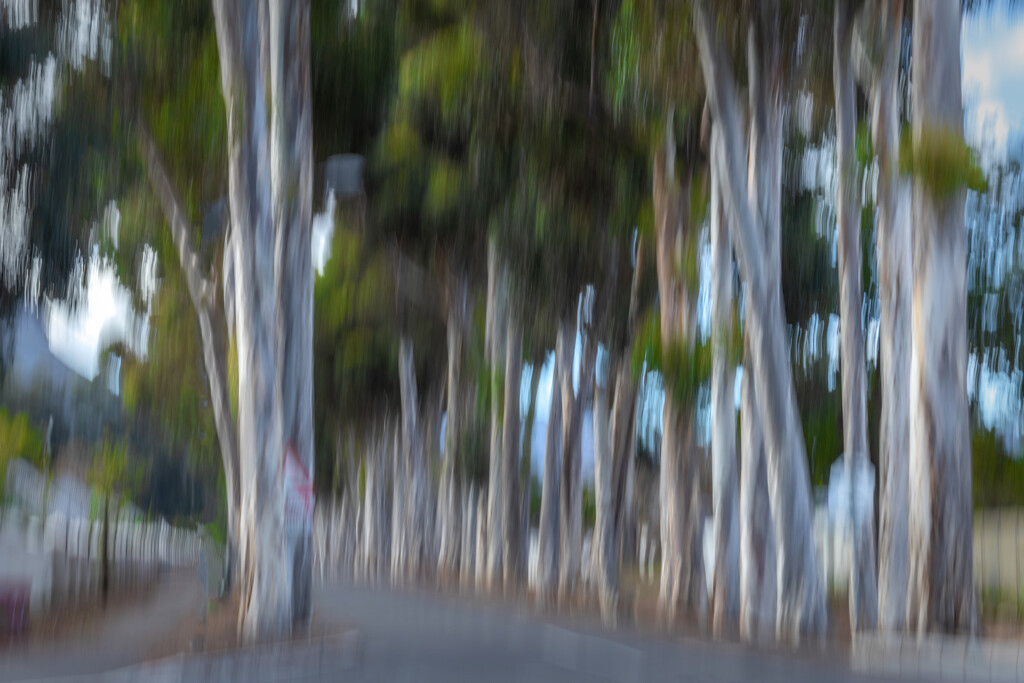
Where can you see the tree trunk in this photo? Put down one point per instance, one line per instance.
(548, 533)
(941, 522)
(495, 346)
(863, 592)
(213, 335)
(291, 172)
(526, 474)
(414, 510)
(758, 587)
(682, 567)
(604, 519)
(611, 483)
(894, 286)
(570, 520)
(266, 608)
(449, 505)
(801, 607)
(511, 424)
(725, 587)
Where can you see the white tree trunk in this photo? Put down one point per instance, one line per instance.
(511, 502)
(682, 567)
(548, 536)
(266, 602)
(414, 508)
(449, 504)
(894, 286)
(604, 519)
(291, 170)
(801, 607)
(863, 593)
(215, 342)
(941, 523)
(571, 495)
(725, 590)
(758, 587)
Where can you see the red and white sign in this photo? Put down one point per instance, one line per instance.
(298, 492)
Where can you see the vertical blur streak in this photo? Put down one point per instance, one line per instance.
(941, 546)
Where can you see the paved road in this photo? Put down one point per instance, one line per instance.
(421, 637)
(407, 636)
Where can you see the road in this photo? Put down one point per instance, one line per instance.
(415, 636)
(409, 636)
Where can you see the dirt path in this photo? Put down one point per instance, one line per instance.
(122, 636)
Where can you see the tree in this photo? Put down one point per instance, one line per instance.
(863, 588)
(883, 50)
(724, 480)
(940, 532)
(801, 607)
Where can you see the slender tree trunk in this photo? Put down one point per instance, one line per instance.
(449, 507)
(511, 424)
(604, 518)
(526, 475)
(725, 590)
(611, 482)
(266, 602)
(758, 587)
(682, 567)
(548, 533)
(571, 495)
(214, 338)
(863, 592)
(495, 345)
(894, 286)
(801, 607)
(941, 523)
(413, 509)
(291, 171)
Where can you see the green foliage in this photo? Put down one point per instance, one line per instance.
(589, 508)
(684, 367)
(18, 439)
(942, 160)
(111, 473)
(997, 477)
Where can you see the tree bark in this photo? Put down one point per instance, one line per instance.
(511, 514)
(449, 508)
(758, 587)
(266, 605)
(611, 483)
(291, 173)
(682, 567)
(863, 592)
(941, 523)
(604, 517)
(570, 520)
(801, 607)
(894, 286)
(413, 507)
(725, 587)
(548, 533)
(495, 348)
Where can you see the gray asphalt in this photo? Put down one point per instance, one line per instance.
(410, 636)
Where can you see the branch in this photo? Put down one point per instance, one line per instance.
(199, 288)
(202, 294)
(721, 93)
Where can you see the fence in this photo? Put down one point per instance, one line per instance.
(57, 560)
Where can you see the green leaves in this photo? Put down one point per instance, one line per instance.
(942, 161)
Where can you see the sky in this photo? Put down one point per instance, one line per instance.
(992, 50)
